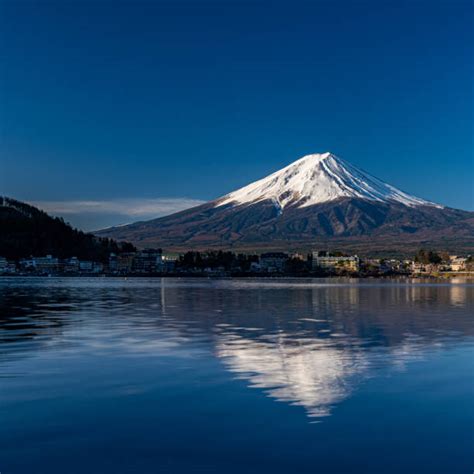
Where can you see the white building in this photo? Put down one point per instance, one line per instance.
(457, 264)
(42, 264)
(321, 260)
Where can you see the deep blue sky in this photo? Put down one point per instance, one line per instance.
(108, 101)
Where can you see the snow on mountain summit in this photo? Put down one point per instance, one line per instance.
(319, 178)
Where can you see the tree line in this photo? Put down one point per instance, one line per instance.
(26, 230)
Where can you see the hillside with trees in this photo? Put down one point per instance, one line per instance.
(26, 230)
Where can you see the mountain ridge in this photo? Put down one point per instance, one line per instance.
(26, 230)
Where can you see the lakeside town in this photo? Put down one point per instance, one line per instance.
(153, 262)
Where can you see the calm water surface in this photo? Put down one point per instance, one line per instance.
(236, 376)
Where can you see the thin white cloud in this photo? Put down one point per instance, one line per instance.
(131, 207)
(96, 214)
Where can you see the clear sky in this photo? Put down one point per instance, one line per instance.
(116, 111)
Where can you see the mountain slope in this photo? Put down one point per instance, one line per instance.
(319, 200)
(26, 230)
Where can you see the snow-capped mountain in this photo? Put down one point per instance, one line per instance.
(316, 179)
(317, 201)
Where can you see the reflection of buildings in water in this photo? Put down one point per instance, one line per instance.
(328, 297)
(452, 293)
(312, 374)
(457, 295)
(354, 295)
(162, 298)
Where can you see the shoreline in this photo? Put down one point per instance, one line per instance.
(276, 276)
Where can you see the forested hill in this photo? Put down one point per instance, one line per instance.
(26, 230)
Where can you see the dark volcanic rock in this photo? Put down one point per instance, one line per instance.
(344, 221)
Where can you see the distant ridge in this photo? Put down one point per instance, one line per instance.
(317, 201)
(26, 230)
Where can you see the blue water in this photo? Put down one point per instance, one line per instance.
(236, 376)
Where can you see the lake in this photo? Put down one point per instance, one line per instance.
(106, 375)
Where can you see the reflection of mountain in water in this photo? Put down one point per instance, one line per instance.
(307, 343)
(311, 374)
(318, 361)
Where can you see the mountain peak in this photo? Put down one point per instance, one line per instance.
(320, 156)
(315, 179)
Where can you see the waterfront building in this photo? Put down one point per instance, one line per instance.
(255, 267)
(456, 263)
(113, 263)
(27, 263)
(45, 264)
(71, 265)
(273, 262)
(167, 265)
(322, 260)
(148, 261)
(6, 267)
(125, 262)
(86, 266)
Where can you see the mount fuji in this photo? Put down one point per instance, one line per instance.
(318, 200)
